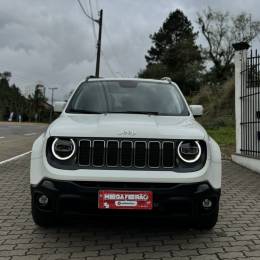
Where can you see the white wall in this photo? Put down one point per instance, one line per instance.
(248, 162)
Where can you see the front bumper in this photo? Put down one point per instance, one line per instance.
(169, 200)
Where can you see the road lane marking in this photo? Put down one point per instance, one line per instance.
(30, 134)
(15, 157)
(14, 126)
(2, 137)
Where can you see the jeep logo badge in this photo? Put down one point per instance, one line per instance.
(127, 133)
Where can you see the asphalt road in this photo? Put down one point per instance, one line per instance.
(17, 138)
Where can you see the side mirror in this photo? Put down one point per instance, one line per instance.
(196, 110)
(59, 106)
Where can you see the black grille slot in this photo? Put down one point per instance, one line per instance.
(168, 154)
(140, 154)
(112, 153)
(98, 153)
(126, 153)
(84, 152)
(154, 154)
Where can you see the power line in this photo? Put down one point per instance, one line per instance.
(111, 47)
(99, 22)
(93, 23)
(108, 64)
(85, 12)
(97, 6)
(95, 35)
(109, 41)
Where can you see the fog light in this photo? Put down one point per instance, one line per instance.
(43, 200)
(206, 203)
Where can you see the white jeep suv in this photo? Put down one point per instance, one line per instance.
(126, 147)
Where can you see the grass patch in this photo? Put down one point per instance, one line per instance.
(223, 135)
(226, 138)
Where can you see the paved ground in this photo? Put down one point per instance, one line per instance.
(236, 236)
(17, 138)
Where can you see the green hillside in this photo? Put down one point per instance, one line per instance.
(219, 114)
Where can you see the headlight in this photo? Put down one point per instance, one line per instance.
(189, 151)
(63, 149)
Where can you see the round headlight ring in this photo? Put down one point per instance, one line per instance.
(59, 157)
(192, 160)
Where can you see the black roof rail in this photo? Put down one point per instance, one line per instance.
(91, 77)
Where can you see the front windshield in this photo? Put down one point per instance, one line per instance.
(142, 97)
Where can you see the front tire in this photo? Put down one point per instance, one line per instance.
(207, 222)
(43, 219)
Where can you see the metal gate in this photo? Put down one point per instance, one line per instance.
(250, 106)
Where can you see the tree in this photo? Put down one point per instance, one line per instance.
(12, 100)
(220, 31)
(5, 75)
(174, 53)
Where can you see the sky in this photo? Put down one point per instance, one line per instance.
(51, 42)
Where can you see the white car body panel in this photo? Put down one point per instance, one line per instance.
(113, 125)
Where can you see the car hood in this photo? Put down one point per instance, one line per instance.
(127, 126)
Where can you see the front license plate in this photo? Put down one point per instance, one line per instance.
(131, 200)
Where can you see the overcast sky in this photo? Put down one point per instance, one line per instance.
(52, 42)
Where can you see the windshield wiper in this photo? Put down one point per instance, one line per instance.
(136, 112)
(82, 111)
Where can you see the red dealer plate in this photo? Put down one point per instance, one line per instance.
(116, 199)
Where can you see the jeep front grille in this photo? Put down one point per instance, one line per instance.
(130, 154)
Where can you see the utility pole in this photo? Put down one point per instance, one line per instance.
(52, 96)
(99, 22)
